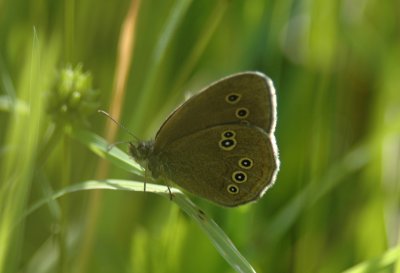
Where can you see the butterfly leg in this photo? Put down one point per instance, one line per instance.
(146, 177)
(171, 195)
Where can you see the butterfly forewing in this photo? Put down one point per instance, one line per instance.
(242, 98)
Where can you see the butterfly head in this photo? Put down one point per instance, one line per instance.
(141, 151)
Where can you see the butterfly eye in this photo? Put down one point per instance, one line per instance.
(233, 189)
(245, 163)
(228, 134)
(227, 144)
(233, 98)
(242, 113)
(239, 177)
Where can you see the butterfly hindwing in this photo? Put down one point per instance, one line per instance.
(227, 164)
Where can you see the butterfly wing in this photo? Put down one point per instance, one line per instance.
(228, 164)
(248, 97)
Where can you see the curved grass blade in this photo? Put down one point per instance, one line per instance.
(218, 237)
(220, 240)
(377, 264)
(99, 146)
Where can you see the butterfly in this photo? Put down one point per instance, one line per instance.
(220, 143)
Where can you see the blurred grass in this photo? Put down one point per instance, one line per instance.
(335, 65)
(22, 139)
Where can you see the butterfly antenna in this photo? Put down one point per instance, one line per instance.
(117, 123)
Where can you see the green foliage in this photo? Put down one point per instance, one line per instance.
(335, 65)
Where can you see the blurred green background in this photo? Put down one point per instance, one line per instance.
(335, 65)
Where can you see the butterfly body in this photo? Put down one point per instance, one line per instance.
(219, 144)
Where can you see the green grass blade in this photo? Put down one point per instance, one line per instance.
(149, 91)
(99, 146)
(220, 240)
(376, 264)
(217, 236)
(22, 142)
(352, 162)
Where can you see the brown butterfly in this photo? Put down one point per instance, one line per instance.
(220, 143)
